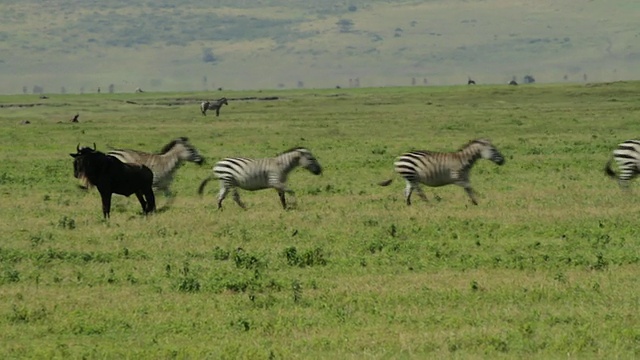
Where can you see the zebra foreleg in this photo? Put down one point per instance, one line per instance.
(471, 194)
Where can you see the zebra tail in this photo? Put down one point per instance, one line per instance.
(203, 184)
(608, 170)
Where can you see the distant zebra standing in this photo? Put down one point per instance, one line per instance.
(258, 174)
(627, 155)
(443, 168)
(164, 164)
(216, 105)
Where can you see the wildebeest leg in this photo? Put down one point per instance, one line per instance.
(151, 201)
(106, 203)
(221, 195)
(143, 203)
(236, 198)
(218, 112)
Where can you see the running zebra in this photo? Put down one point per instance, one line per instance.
(627, 155)
(216, 105)
(163, 164)
(258, 174)
(443, 168)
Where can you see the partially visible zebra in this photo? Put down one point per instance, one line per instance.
(163, 164)
(443, 168)
(216, 105)
(258, 174)
(627, 155)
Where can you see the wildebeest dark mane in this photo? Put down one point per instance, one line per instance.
(171, 144)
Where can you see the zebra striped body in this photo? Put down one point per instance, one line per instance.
(258, 174)
(164, 164)
(216, 105)
(443, 168)
(627, 155)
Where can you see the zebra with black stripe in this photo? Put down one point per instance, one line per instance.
(163, 164)
(215, 105)
(443, 168)
(627, 155)
(258, 174)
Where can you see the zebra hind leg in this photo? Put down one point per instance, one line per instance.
(421, 193)
(221, 195)
(236, 198)
(407, 192)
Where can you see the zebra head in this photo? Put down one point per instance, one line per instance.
(488, 151)
(184, 150)
(308, 161)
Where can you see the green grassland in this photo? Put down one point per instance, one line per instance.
(544, 267)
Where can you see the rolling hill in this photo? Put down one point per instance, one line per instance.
(79, 45)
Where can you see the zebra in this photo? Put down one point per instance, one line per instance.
(163, 164)
(216, 105)
(627, 155)
(258, 174)
(443, 168)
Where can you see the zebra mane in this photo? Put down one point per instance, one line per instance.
(481, 141)
(173, 143)
(297, 148)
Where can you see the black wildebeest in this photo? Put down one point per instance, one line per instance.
(111, 176)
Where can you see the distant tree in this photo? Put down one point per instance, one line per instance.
(37, 89)
(208, 57)
(112, 88)
(63, 90)
(352, 8)
(584, 76)
(425, 81)
(413, 81)
(280, 86)
(356, 82)
(565, 77)
(204, 81)
(528, 79)
(300, 84)
(82, 90)
(24, 89)
(345, 25)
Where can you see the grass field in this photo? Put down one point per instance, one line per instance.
(545, 266)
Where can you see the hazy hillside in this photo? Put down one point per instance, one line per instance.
(200, 44)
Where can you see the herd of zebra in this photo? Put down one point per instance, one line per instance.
(126, 171)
